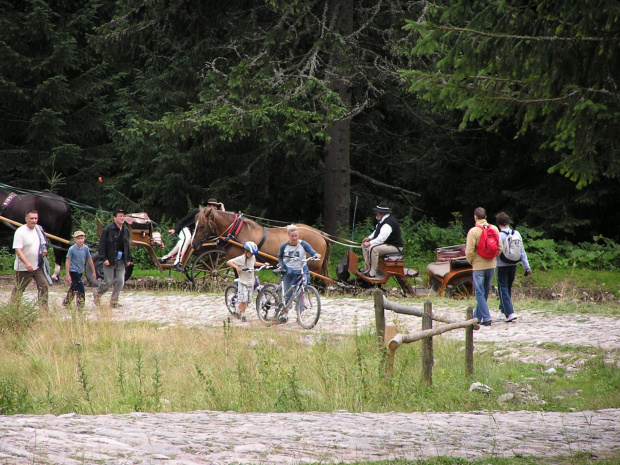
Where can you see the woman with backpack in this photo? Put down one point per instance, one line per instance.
(513, 252)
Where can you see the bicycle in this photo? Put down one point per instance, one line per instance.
(272, 305)
(231, 291)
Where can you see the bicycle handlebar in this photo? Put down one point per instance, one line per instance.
(256, 270)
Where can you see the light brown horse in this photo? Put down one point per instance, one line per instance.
(214, 223)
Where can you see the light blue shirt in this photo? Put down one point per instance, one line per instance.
(78, 258)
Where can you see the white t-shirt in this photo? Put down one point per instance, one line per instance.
(28, 240)
(246, 277)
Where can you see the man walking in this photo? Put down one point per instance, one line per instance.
(115, 248)
(30, 247)
(482, 257)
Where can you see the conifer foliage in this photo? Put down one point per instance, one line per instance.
(549, 66)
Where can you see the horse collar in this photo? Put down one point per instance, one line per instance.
(7, 202)
(235, 226)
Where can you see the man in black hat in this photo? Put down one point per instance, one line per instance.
(385, 239)
(115, 249)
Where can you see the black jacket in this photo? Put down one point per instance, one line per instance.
(109, 240)
(187, 221)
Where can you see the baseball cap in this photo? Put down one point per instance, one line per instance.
(78, 233)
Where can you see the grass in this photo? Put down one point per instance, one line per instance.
(85, 366)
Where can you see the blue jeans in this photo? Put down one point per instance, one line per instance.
(505, 278)
(482, 286)
(288, 279)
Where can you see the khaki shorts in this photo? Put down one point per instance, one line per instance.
(244, 292)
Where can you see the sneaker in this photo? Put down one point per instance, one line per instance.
(488, 322)
(243, 319)
(179, 268)
(115, 305)
(500, 317)
(511, 317)
(162, 260)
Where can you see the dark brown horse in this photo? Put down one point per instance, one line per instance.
(213, 223)
(54, 216)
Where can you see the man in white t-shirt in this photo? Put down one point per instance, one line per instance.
(28, 250)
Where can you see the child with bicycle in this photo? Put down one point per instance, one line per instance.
(289, 258)
(246, 281)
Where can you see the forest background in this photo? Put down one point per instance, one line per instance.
(315, 110)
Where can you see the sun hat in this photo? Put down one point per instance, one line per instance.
(78, 233)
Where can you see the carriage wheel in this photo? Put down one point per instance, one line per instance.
(210, 268)
(461, 289)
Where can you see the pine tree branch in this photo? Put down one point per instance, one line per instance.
(431, 26)
(382, 184)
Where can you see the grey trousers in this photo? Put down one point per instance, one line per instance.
(112, 274)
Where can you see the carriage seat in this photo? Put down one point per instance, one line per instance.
(393, 260)
(138, 221)
(445, 254)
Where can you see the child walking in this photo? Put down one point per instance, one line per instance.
(245, 285)
(77, 257)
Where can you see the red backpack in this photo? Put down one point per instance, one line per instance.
(488, 244)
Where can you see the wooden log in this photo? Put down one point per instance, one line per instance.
(408, 338)
(469, 344)
(51, 236)
(390, 332)
(397, 308)
(427, 345)
(377, 295)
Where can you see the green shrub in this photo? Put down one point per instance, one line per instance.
(17, 318)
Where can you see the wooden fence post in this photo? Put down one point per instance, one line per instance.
(469, 345)
(390, 332)
(379, 316)
(427, 345)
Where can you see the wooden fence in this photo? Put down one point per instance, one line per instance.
(392, 340)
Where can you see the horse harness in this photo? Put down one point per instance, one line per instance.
(7, 202)
(234, 228)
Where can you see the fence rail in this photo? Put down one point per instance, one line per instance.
(387, 336)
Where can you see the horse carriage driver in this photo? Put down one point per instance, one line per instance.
(385, 239)
(184, 228)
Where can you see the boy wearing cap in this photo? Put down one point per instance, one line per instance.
(385, 239)
(77, 257)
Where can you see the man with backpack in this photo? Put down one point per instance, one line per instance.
(513, 253)
(483, 246)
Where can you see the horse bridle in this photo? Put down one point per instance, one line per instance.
(7, 202)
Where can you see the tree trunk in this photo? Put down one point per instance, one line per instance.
(337, 181)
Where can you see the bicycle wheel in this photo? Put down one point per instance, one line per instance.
(267, 306)
(269, 286)
(308, 308)
(230, 297)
